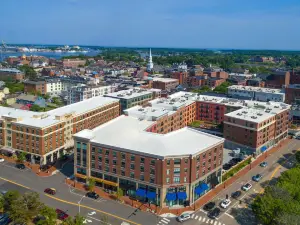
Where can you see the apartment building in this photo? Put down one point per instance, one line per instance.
(73, 63)
(292, 92)
(172, 169)
(132, 97)
(11, 74)
(181, 76)
(277, 79)
(165, 83)
(45, 136)
(256, 129)
(256, 93)
(82, 92)
(35, 86)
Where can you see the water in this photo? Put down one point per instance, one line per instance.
(56, 55)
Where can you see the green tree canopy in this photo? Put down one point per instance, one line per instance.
(48, 215)
(77, 220)
(9, 198)
(21, 156)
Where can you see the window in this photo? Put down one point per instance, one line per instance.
(152, 162)
(176, 180)
(168, 171)
(123, 155)
(123, 164)
(99, 151)
(107, 152)
(168, 162)
(142, 160)
(132, 166)
(114, 170)
(176, 170)
(122, 173)
(131, 174)
(132, 158)
(152, 171)
(114, 162)
(142, 178)
(185, 161)
(114, 154)
(100, 158)
(93, 149)
(151, 180)
(177, 161)
(168, 180)
(184, 179)
(107, 161)
(107, 169)
(142, 169)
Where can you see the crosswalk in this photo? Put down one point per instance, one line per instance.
(163, 221)
(206, 220)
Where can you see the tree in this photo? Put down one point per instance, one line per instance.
(119, 193)
(25, 208)
(36, 108)
(91, 184)
(49, 216)
(77, 220)
(9, 198)
(29, 72)
(1, 203)
(297, 156)
(21, 156)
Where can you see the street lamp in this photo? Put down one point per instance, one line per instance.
(79, 203)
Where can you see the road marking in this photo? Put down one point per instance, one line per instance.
(193, 216)
(203, 211)
(98, 220)
(15, 183)
(196, 217)
(211, 222)
(166, 219)
(72, 203)
(165, 222)
(216, 222)
(92, 213)
(200, 217)
(203, 219)
(229, 215)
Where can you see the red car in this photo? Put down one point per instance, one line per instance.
(50, 191)
(61, 215)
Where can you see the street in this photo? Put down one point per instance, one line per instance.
(95, 211)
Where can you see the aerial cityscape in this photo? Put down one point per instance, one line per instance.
(149, 112)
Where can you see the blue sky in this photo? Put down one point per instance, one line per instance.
(247, 24)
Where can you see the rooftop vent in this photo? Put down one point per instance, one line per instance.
(254, 117)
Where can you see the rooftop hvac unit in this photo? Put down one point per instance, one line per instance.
(254, 117)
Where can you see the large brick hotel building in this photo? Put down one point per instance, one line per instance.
(151, 154)
(45, 136)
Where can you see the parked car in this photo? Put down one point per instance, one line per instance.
(214, 214)
(184, 217)
(225, 203)
(92, 194)
(257, 177)
(50, 191)
(226, 166)
(209, 206)
(21, 166)
(236, 194)
(2, 160)
(246, 187)
(3, 192)
(61, 215)
(263, 164)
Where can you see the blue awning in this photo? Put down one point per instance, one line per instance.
(151, 195)
(140, 192)
(263, 148)
(181, 195)
(198, 190)
(171, 196)
(204, 186)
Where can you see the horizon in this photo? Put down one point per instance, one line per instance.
(202, 24)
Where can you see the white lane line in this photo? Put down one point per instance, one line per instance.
(229, 215)
(196, 217)
(165, 222)
(211, 222)
(200, 217)
(220, 223)
(166, 219)
(216, 222)
(203, 219)
(207, 221)
(203, 211)
(99, 220)
(193, 216)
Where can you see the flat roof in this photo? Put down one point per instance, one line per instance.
(259, 113)
(128, 94)
(256, 89)
(128, 133)
(148, 113)
(45, 119)
(162, 79)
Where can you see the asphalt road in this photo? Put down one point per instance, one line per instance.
(99, 210)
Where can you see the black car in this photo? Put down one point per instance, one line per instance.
(226, 166)
(214, 213)
(92, 195)
(209, 206)
(236, 194)
(21, 166)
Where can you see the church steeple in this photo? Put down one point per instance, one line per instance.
(150, 63)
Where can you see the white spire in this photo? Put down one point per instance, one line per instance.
(150, 63)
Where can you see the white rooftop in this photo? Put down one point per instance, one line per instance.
(256, 89)
(148, 113)
(161, 79)
(128, 133)
(259, 113)
(128, 94)
(45, 119)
